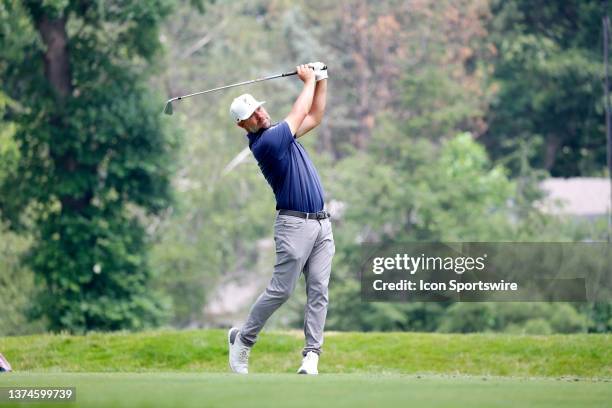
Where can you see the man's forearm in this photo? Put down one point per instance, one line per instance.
(304, 102)
(319, 100)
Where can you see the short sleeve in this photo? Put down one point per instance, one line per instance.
(276, 140)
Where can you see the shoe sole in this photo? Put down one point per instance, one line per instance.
(306, 373)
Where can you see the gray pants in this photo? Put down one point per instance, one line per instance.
(301, 245)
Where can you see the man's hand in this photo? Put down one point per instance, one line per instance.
(320, 73)
(317, 66)
(305, 73)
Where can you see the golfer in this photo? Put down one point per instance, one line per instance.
(302, 230)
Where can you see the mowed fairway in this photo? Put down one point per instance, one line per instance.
(168, 368)
(331, 390)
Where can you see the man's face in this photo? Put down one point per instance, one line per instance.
(258, 120)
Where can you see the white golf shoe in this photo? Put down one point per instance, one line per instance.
(309, 364)
(238, 352)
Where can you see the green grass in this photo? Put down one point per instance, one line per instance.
(189, 369)
(198, 351)
(331, 390)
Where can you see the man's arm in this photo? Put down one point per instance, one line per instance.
(303, 103)
(315, 116)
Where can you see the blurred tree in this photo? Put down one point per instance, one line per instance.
(600, 316)
(566, 319)
(17, 288)
(537, 326)
(16, 281)
(406, 190)
(420, 192)
(513, 317)
(468, 318)
(223, 213)
(94, 157)
(547, 76)
(422, 63)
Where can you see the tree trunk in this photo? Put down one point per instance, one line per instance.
(363, 81)
(57, 71)
(57, 61)
(552, 146)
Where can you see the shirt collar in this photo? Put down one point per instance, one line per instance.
(254, 136)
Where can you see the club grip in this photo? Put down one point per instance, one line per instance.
(295, 72)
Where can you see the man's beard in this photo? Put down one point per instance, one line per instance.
(265, 125)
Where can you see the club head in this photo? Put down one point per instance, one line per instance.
(5, 367)
(168, 108)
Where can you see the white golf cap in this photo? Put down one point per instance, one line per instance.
(243, 107)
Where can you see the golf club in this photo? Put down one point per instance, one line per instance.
(4, 365)
(168, 108)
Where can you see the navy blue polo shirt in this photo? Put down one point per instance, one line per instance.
(287, 168)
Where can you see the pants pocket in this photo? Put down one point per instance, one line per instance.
(289, 221)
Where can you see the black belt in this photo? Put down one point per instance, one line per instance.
(321, 215)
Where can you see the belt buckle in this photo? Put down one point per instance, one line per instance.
(321, 215)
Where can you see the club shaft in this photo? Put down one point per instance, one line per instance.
(286, 74)
(234, 85)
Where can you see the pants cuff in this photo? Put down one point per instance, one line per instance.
(245, 341)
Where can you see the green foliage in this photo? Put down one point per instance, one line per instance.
(423, 192)
(419, 192)
(537, 326)
(17, 287)
(468, 318)
(437, 103)
(548, 79)
(566, 319)
(86, 177)
(447, 194)
(347, 311)
(16, 281)
(94, 163)
(600, 316)
(523, 318)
